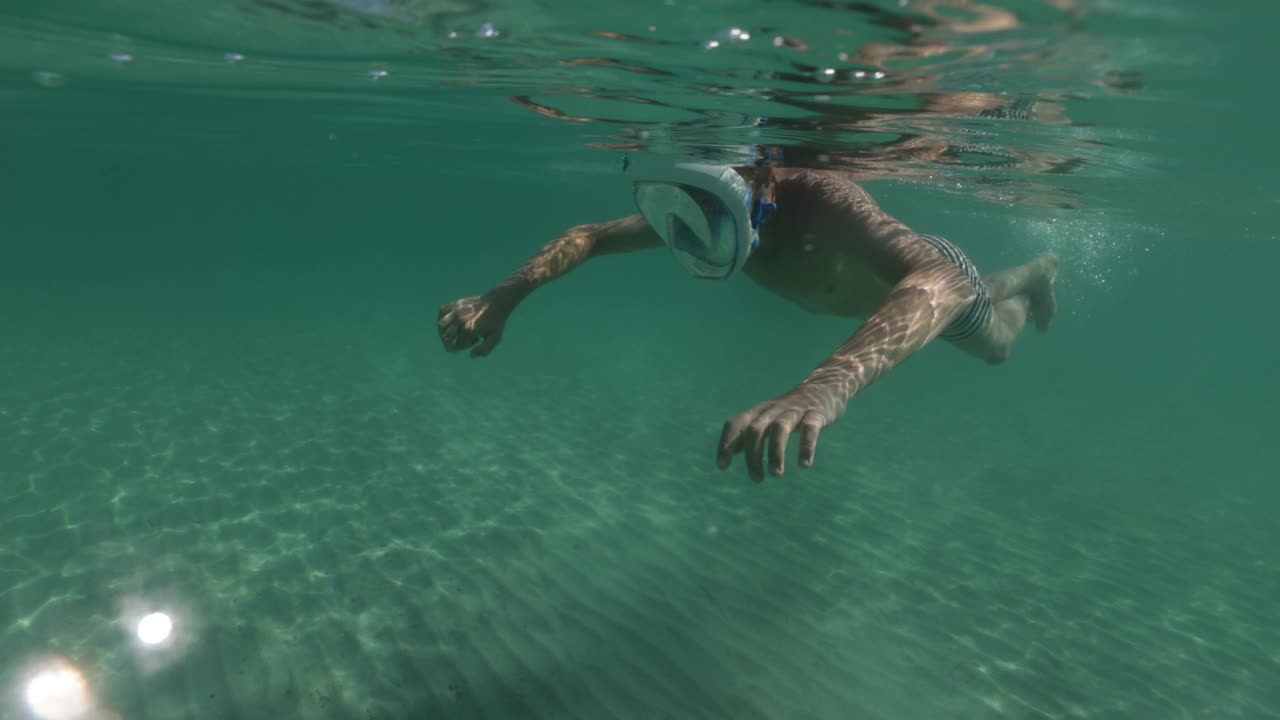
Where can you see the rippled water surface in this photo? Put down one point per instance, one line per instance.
(239, 477)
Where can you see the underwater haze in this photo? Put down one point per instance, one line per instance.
(240, 476)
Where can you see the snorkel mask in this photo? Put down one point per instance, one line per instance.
(704, 213)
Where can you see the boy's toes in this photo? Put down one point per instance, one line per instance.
(1044, 306)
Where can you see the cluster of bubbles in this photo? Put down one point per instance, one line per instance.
(52, 79)
(486, 31)
(825, 74)
(728, 35)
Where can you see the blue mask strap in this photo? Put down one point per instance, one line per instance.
(761, 212)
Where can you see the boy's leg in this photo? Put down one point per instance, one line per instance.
(1017, 295)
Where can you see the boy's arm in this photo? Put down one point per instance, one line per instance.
(931, 292)
(573, 247)
(481, 319)
(920, 306)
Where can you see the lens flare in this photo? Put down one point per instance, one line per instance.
(154, 628)
(58, 692)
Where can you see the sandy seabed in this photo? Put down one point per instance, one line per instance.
(341, 541)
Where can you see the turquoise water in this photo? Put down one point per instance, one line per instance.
(228, 226)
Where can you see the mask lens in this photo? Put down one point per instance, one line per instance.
(693, 222)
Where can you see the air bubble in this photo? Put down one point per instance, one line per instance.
(49, 79)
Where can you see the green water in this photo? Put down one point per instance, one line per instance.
(222, 397)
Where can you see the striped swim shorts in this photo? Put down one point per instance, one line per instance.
(976, 316)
